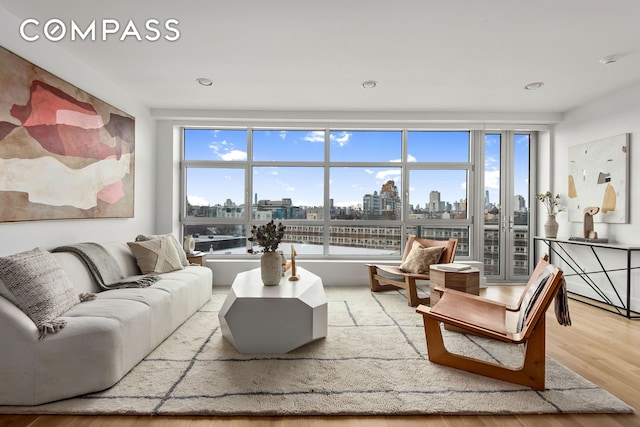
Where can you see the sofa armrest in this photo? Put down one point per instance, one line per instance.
(15, 323)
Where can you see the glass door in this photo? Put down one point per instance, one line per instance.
(507, 159)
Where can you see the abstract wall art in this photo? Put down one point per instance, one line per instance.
(599, 177)
(64, 154)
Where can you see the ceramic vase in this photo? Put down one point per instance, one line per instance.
(271, 268)
(189, 244)
(551, 227)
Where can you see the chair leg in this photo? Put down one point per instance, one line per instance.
(412, 293)
(530, 374)
(375, 284)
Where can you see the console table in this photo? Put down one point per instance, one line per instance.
(618, 304)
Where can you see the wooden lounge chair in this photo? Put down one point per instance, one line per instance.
(394, 277)
(487, 318)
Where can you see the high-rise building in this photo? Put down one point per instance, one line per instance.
(434, 202)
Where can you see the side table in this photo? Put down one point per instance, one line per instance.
(200, 259)
(464, 281)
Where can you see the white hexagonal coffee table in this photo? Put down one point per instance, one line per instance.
(274, 319)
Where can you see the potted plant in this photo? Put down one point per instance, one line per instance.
(268, 236)
(552, 203)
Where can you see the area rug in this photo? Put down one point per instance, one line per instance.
(373, 361)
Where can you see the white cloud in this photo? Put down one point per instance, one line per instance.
(368, 171)
(314, 136)
(492, 179)
(490, 160)
(388, 174)
(198, 201)
(283, 134)
(234, 155)
(342, 140)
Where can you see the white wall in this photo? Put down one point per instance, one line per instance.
(20, 236)
(612, 115)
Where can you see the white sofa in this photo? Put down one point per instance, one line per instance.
(103, 338)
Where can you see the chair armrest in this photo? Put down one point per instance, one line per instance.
(513, 307)
(440, 290)
(423, 309)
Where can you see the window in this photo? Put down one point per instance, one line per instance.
(342, 193)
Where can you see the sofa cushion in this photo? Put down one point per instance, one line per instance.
(40, 287)
(156, 256)
(420, 258)
(174, 241)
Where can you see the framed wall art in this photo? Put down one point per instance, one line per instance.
(599, 178)
(64, 154)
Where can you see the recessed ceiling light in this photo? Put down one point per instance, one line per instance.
(204, 81)
(609, 59)
(369, 84)
(534, 85)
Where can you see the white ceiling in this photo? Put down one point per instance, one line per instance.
(428, 55)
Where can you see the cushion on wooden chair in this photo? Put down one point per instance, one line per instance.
(420, 258)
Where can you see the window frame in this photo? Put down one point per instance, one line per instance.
(326, 223)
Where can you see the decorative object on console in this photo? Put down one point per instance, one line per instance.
(552, 204)
(66, 154)
(599, 176)
(268, 236)
(551, 227)
(189, 244)
(588, 231)
(589, 234)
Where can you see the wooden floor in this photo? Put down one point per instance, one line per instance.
(600, 346)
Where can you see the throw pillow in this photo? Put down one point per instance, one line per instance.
(530, 298)
(156, 256)
(174, 241)
(420, 258)
(40, 287)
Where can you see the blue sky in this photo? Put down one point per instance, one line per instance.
(492, 166)
(348, 181)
